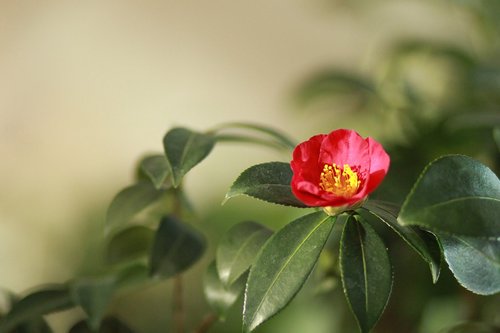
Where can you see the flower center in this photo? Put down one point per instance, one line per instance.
(342, 182)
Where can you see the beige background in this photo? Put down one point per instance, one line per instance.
(86, 87)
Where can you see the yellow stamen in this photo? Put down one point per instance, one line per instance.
(341, 182)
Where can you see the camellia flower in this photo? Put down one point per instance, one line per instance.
(337, 171)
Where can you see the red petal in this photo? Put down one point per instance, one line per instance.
(379, 165)
(345, 147)
(305, 158)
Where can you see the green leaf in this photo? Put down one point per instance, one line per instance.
(109, 325)
(184, 149)
(93, 294)
(219, 296)
(471, 328)
(238, 249)
(425, 244)
(176, 247)
(457, 195)
(474, 261)
(283, 266)
(130, 201)
(50, 299)
(129, 244)
(366, 272)
(156, 168)
(269, 182)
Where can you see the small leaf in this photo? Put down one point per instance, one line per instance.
(109, 325)
(425, 244)
(366, 272)
(93, 294)
(176, 247)
(129, 244)
(238, 249)
(219, 296)
(130, 201)
(184, 149)
(50, 299)
(474, 261)
(156, 168)
(283, 266)
(457, 195)
(269, 182)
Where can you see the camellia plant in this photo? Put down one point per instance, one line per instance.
(452, 212)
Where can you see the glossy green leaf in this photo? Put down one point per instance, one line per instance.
(269, 182)
(93, 294)
(471, 328)
(474, 261)
(129, 244)
(130, 201)
(50, 299)
(184, 149)
(37, 325)
(176, 247)
(457, 195)
(425, 244)
(283, 266)
(109, 325)
(366, 272)
(156, 168)
(238, 249)
(220, 296)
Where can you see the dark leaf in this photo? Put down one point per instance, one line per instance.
(176, 247)
(366, 272)
(184, 149)
(283, 266)
(50, 299)
(425, 244)
(475, 262)
(238, 249)
(269, 182)
(457, 195)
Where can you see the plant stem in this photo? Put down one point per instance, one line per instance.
(207, 322)
(178, 305)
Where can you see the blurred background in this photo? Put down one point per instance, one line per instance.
(87, 88)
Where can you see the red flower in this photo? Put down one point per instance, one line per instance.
(337, 170)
